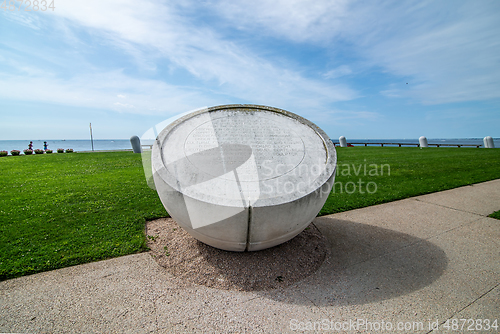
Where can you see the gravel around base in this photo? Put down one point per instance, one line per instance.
(193, 262)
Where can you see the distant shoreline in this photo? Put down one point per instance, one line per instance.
(103, 145)
(127, 139)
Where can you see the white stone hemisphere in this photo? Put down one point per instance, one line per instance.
(243, 177)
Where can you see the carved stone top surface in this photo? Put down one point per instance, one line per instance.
(241, 155)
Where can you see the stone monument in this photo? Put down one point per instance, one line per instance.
(243, 177)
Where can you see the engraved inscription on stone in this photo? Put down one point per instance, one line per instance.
(222, 145)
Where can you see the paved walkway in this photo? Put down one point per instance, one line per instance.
(416, 263)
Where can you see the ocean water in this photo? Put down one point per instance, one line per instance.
(76, 145)
(124, 144)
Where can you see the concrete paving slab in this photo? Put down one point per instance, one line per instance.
(372, 281)
(407, 314)
(473, 251)
(480, 198)
(375, 273)
(410, 216)
(351, 242)
(480, 309)
(477, 316)
(182, 305)
(259, 315)
(95, 297)
(408, 263)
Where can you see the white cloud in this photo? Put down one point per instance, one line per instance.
(20, 17)
(237, 70)
(124, 105)
(297, 20)
(450, 49)
(338, 72)
(451, 59)
(349, 114)
(447, 51)
(100, 91)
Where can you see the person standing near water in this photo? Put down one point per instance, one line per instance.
(30, 146)
(45, 146)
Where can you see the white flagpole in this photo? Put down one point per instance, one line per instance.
(91, 137)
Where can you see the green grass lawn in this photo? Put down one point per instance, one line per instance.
(65, 209)
(495, 214)
(413, 171)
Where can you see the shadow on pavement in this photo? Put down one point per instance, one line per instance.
(368, 264)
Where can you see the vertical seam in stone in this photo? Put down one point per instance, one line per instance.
(248, 225)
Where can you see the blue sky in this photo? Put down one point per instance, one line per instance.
(362, 69)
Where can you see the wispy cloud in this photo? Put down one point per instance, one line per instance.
(309, 57)
(451, 59)
(448, 58)
(349, 114)
(155, 32)
(123, 105)
(338, 72)
(449, 49)
(297, 20)
(20, 17)
(101, 91)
